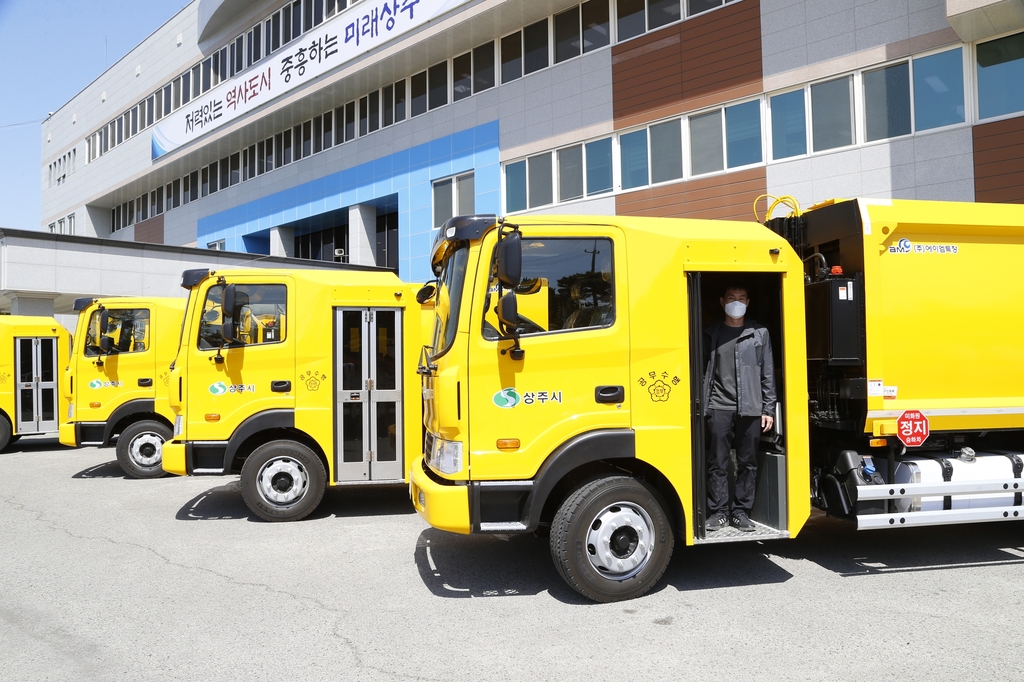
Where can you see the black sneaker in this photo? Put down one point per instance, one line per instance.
(740, 521)
(716, 521)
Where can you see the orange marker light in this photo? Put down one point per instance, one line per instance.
(878, 442)
(837, 270)
(508, 443)
(94, 405)
(213, 417)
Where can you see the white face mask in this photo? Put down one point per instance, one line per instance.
(735, 309)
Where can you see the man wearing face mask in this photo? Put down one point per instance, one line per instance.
(739, 399)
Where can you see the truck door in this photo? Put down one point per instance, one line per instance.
(37, 384)
(368, 430)
(231, 382)
(574, 377)
(108, 380)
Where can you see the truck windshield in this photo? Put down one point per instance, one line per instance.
(449, 298)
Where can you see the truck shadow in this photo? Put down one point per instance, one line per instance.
(110, 469)
(837, 546)
(461, 566)
(33, 444)
(225, 503)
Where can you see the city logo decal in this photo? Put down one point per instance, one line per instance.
(312, 379)
(659, 385)
(219, 388)
(506, 398)
(99, 383)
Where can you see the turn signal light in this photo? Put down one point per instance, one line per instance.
(837, 270)
(213, 417)
(508, 443)
(878, 442)
(94, 405)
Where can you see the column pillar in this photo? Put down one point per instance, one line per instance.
(282, 242)
(362, 234)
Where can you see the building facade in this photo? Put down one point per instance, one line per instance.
(348, 131)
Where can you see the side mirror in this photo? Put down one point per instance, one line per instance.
(106, 344)
(104, 321)
(510, 259)
(227, 314)
(508, 314)
(426, 292)
(228, 306)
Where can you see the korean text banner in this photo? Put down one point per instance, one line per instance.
(361, 28)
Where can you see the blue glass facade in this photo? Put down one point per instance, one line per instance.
(408, 173)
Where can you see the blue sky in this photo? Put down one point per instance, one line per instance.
(50, 51)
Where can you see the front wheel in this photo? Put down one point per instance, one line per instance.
(611, 539)
(283, 481)
(140, 449)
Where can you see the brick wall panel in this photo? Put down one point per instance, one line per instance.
(999, 161)
(722, 197)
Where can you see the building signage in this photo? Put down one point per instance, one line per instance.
(363, 27)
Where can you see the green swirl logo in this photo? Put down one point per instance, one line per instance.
(219, 388)
(506, 398)
(95, 383)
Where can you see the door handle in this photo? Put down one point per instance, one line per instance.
(609, 394)
(280, 386)
(145, 383)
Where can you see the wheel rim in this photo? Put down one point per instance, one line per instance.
(282, 481)
(146, 449)
(620, 540)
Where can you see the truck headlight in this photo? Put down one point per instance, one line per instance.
(179, 425)
(446, 457)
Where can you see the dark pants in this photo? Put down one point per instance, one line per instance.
(731, 431)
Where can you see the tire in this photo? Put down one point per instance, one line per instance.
(140, 449)
(611, 539)
(14, 439)
(283, 481)
(5, 434)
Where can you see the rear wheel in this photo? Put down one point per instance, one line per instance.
(5, 434)
(140, 449)
(611, 539)
(283, 481)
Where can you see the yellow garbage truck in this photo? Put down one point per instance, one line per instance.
(297, 379)
(32, 351)
(900, 395)
(116, 382)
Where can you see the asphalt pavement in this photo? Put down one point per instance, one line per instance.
(103, 577)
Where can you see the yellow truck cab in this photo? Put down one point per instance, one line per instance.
(895, 408)
(32, 350)
(297, 379)
(116, 382)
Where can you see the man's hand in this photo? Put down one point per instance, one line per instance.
(766, 423)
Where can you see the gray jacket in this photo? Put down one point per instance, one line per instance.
(755, 369)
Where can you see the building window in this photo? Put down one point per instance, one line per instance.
(939, 90)
(539, 184)
(631, 22)
(454, 196)
(743, 134)
(570, 173)
(483, 67)
(567, 34)
(599, 166)
(633, 159)
(832, 114)
(789, 125)
(666, 151)
(535, 44)
(596, 32)
(706, 143)
(511, 57)
(438, 79)
(52, 228)
(462, 76)
(419, 93)
(887, 102)
(1000, 73)
(71, 223)
(216, 246)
